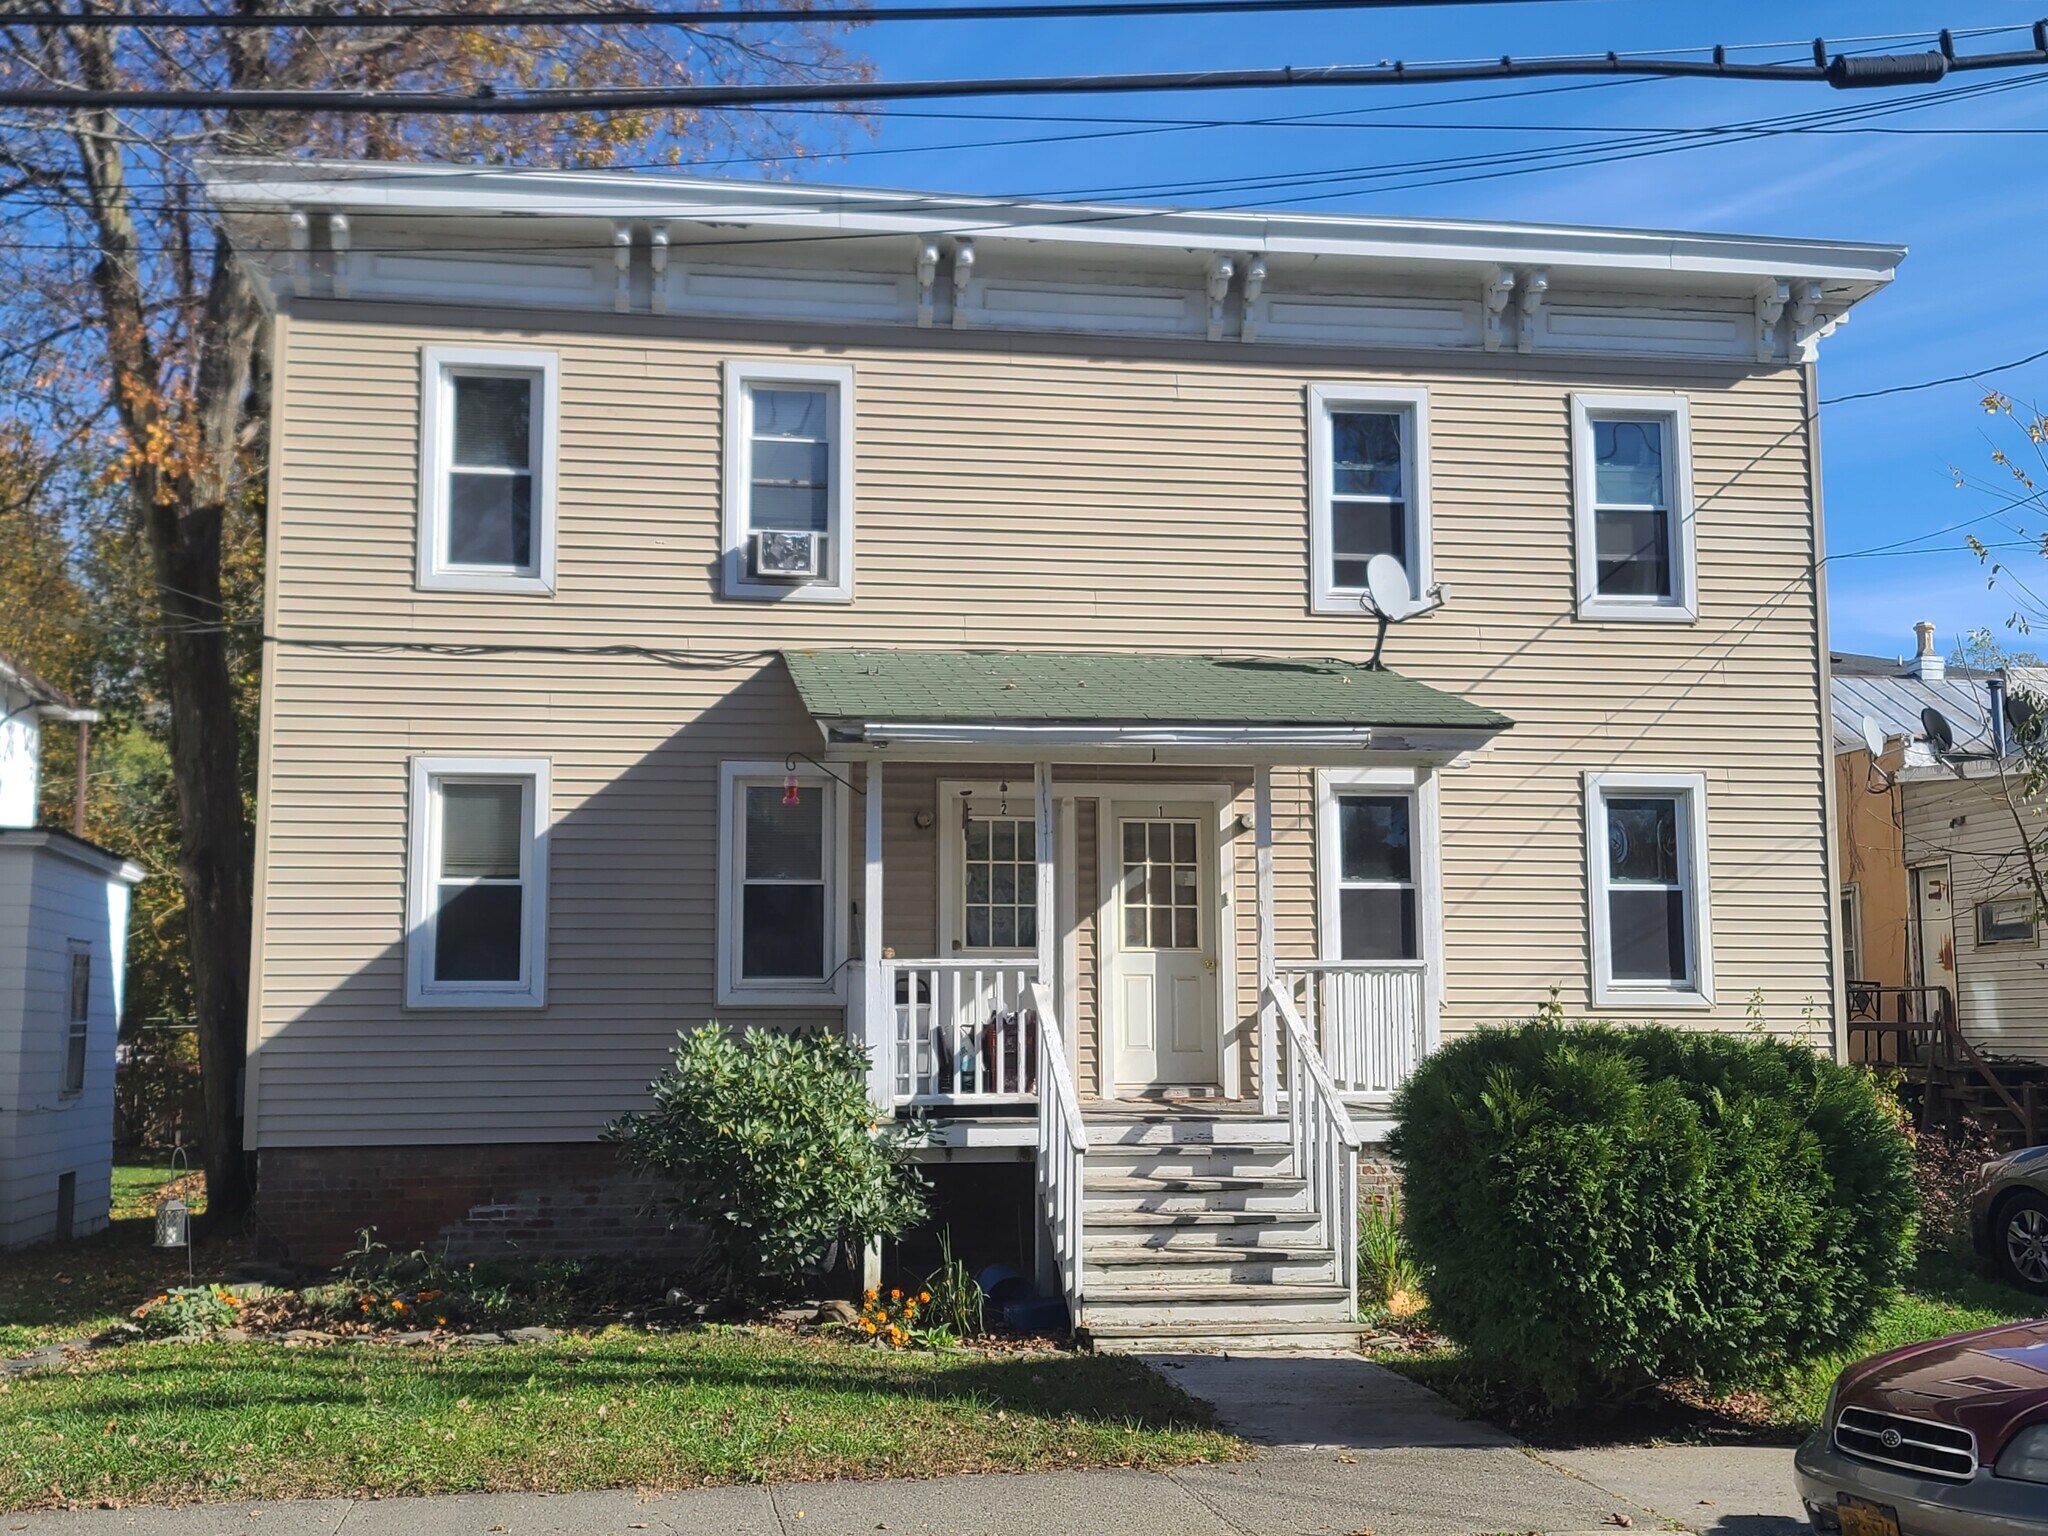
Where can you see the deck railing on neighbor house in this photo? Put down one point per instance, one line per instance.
(1062, 1147)
(961, 1032)
(1370, 1019)
(1323, 1141)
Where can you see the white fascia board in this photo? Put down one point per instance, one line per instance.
(1141, 736)
(342, 186)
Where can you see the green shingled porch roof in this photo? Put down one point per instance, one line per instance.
(1002, 686)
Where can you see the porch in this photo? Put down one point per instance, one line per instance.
(1173, 943)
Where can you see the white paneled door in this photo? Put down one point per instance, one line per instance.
(1164, 957)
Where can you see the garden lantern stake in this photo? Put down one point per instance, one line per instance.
(174, 1217)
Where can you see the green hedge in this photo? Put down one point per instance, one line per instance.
(1595, 1209)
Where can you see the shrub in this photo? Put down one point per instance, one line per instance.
(769, 1144)
(1597, 1209)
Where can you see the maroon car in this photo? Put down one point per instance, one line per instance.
(1945, 1438)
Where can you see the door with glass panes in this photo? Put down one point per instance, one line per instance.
(1163, 970)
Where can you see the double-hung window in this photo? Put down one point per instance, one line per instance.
(789, 481)
(1377, 862)
(477, 930)
(77, 1014)
(782, 926)
(1646, 850)
(1633, 509)
(1368, 488)
(487, 470)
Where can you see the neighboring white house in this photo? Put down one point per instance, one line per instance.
(63, 945)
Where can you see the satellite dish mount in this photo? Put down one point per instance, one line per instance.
(1390, 598)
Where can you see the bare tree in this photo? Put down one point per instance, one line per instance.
(130, 328)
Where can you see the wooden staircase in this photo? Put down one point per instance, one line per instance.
(1202, 1235)
(1943, 1076)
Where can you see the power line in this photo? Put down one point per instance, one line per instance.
(1841, 70)
(100, 21)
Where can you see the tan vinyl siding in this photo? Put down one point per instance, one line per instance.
(1011, 493)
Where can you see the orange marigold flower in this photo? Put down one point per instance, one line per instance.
(924, 1295)
(895, 1295)
(397, 1305)
(873, 1292)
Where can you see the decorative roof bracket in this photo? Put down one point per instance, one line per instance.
(1493, 299)
(1535, 284)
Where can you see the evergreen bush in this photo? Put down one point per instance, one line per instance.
(1598, 1209)
(768, 1144)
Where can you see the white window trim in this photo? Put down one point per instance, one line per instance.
(1852, 930)
(1683, 606)
(987, 796)
(1325, 596)
(437, 442)
(423, 858)
(1421, 786)
(836, 585)
(1694, 859)
(732, 991)
(76, 1028)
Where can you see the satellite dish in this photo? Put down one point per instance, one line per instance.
(1386, 582)
(1939, 735)
(2023, 715)
(1873, 737)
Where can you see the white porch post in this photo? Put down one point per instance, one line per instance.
(1269, 1059)
(1048, 925)
(881, 1007)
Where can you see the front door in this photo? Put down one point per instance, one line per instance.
(1935, 927)
(1164, 965)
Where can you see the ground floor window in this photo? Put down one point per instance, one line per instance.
(1646, 855)
(782, 931)
(477, 929)
(1376, 857)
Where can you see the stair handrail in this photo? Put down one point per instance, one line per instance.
(1062, 1149)
(1323, 1141)
(1953, 1030)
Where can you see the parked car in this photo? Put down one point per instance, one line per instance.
(1943, 1438)
(2009, 1216)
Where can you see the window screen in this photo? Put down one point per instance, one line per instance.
(1632, 507)
(1368, 492)
(782, 884)
(480, 895)
(1376, 877)
(1647, 902)
(491, 471)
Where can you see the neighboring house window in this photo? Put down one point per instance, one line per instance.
(2010, 921)
(478, 924)
(1852, 933)
(487, 470)
(1632, 496)
(999, 882)
(1646, 847)
(1368, 488)
(782, 928)
(1376, 834)
(789, 481)
(77, 1013)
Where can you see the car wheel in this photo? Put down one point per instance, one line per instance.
(2021, 1238)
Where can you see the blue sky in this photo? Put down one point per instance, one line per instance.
(1968, 205)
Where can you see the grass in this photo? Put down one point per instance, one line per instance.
(59, 1291)
(136, 1186)
(1943, 1296)
(259, 1420)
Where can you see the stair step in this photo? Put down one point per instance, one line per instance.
(1174, 1184)
(1193, 1220)
(1134, 1338)
(1202, 1295)
(1133, 1257)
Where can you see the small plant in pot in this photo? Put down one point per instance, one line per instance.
(768, 1145)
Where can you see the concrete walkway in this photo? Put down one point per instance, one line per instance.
(1346, 1448)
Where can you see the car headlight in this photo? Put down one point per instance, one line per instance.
(2025, 1456)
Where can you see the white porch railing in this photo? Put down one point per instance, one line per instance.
(1319, 1130)
(960, 1031)
(1370, 1019)
(1062, 1147)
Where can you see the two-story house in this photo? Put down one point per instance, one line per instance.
(948, 620)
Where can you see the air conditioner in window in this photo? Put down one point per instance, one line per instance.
(780, 555)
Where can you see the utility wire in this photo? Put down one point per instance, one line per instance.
(1841, 70)
(634, 16)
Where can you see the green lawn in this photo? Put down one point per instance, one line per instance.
(1943, 1296)
(261, 1420)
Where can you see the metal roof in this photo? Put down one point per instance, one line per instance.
(1895, 703)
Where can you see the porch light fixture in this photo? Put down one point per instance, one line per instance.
(923, 821)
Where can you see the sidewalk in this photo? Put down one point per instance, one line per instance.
(1347, 1447)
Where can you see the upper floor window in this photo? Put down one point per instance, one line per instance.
(789, 481)
(487, 470)
(1368, 488)
(1632, 496)
(782, 928)
(478, 896)
(77, 1014)
(1646, 852)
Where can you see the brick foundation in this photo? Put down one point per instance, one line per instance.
(470, 1202)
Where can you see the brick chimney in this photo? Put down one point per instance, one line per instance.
(1926, 664)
